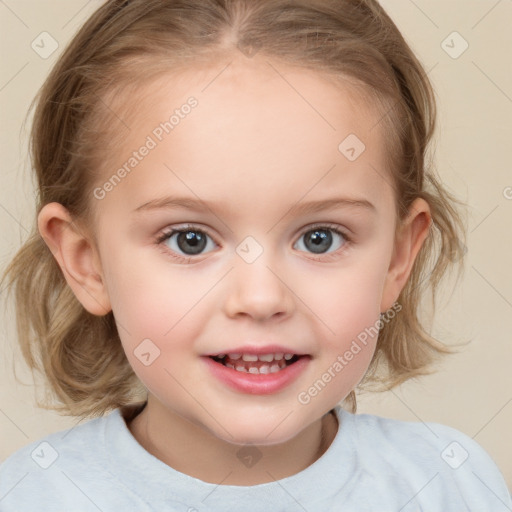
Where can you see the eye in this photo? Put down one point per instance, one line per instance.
(322, 240)
(188, 241)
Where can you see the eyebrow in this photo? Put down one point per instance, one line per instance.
(173, 202)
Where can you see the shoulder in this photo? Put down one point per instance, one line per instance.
(46, 469)
(64, 445)
(439, 460)
(425, 441)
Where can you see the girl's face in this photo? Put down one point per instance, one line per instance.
(276, 177)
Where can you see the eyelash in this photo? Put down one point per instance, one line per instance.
(164, 236)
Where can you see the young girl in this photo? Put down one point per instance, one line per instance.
(236, 223)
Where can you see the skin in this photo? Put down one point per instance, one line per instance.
(258, 143)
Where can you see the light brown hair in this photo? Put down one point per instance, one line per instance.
(126, 43)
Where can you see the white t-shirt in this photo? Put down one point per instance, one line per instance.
(373, 464)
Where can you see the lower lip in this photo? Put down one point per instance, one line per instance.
(258, 384)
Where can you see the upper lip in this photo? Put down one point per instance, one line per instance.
(258, 350)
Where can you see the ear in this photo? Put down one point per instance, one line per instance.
(408, 241)
(77, 257)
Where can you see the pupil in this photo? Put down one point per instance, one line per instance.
(195, 241)
(320, 239)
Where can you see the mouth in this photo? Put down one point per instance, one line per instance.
(257, 364)
(258, 372)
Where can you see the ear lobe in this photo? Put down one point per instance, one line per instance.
(76, 256)
(408, 242)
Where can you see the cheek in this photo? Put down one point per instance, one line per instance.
(157, 301)
(347, 299)
(148, 302)
(139, 281)
(157, 319)
(347, 303)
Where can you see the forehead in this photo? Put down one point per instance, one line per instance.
(260, 89)
(255, 122)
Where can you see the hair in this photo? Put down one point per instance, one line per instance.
(79, 354)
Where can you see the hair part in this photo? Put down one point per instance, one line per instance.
(352, 41)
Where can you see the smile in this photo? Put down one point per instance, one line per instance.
(256, 376)
(256, 364)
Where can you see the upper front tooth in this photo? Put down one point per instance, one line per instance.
(234, 356)
(278, 356)
(266, 357)
(249, 357)
(288, 356)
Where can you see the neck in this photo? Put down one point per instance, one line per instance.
(168, 437)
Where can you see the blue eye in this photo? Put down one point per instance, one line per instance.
(183, 244)
(189, 242)
(320, 240)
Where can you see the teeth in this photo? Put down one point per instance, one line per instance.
(264, 368)
(268, 358)
(278, 358)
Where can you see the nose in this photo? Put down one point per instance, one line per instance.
(259, 291)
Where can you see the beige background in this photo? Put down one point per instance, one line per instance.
(471, 391)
